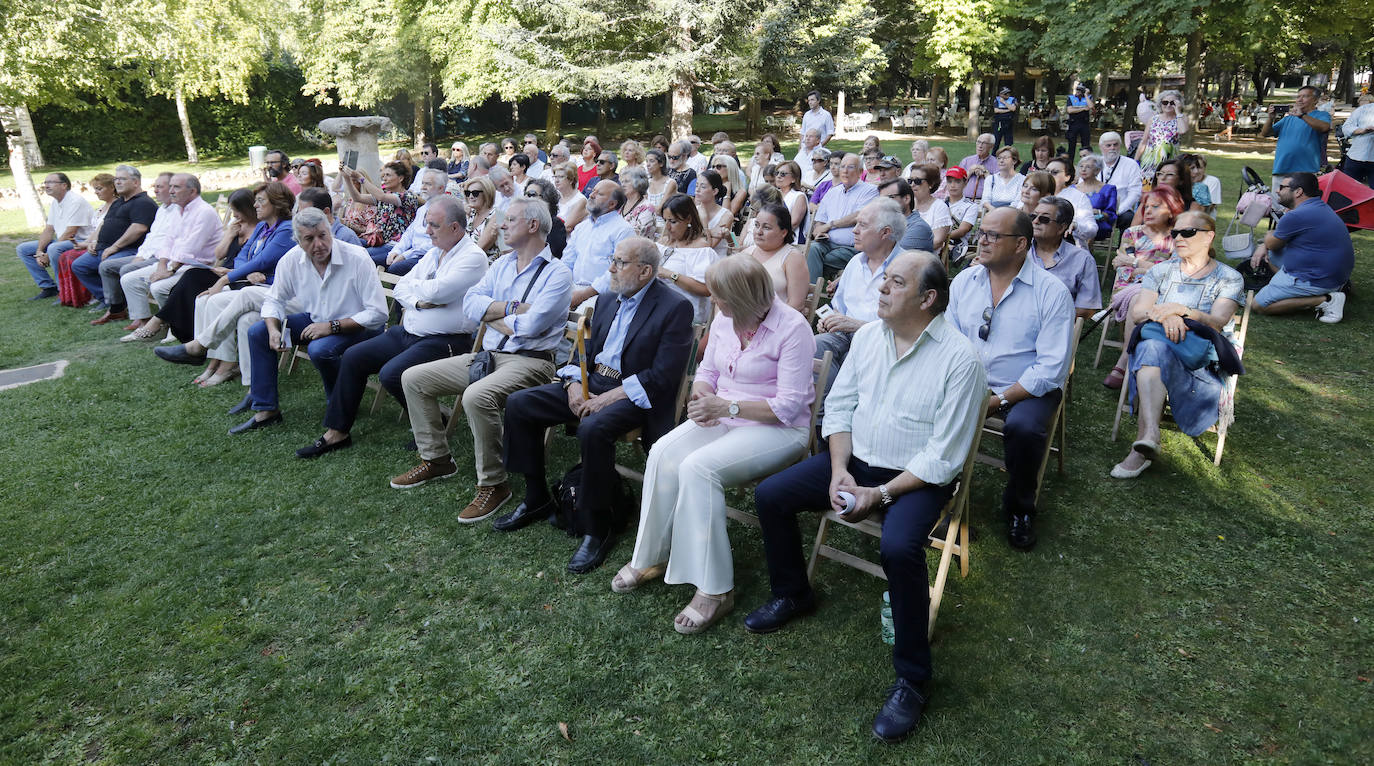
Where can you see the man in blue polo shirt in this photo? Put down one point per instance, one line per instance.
(1301, 135)
(1312, 251)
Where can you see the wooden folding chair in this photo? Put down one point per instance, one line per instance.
(1227, 406)
(389, 281)
(813, 298)
(954, 541)
(684, 392)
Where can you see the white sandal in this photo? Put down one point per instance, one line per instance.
(629, 578)
(725, 602)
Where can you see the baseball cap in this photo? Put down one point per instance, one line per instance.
(1004, 89)
(888, 161)
(957, 172)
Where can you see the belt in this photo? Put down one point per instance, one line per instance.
(609, 372)
(546, 356)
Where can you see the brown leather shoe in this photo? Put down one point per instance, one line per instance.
(488, 501)
(108, 317)
(426, 471)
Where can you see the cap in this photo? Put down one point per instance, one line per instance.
(1004, 89)
(957, 172)
(888, 161)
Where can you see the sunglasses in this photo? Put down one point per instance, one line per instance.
(986, 329)
(533, 193)
(603, 162)
(472, 192)
(1043, 219)
(675, 156)
(1188, 233)
(1284, 186)
(1168, 103)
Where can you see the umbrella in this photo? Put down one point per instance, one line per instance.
(1352, 200)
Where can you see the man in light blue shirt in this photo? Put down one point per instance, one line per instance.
(414, 242)
(1301, 134)
(876, 232)
(589, 249)
(1020, 320)
(1074, 266)
(832, 234)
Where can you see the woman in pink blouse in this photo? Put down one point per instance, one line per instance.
(748, 417)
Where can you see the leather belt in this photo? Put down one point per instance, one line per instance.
(546, 356)
(609, 372)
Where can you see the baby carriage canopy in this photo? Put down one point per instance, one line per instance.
(1352, 200)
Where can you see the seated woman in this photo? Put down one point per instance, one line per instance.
(1102, 196)
(1172, 173)
(637, 210)
(711, 193)
(484, 220)
(458, 162)
(394, 204)
(71, 291)
(925, 179)
(1004, 186)
(748, 417)
(1041, 153)
(310, 175)
(787, 179)
(686, 254)
(1142, 246)
(572, 206)
(223, 312)
(764, 195)
(1038, 183)
(736, 184)
(519, 166)
(1192, 286)
(768, 152)
(784, 261)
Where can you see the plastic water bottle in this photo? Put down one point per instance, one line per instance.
(889, 631)
(847, 501)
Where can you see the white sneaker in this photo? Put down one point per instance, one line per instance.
(1332, 310)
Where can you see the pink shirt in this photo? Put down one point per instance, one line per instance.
(775, 368)
(194, 231)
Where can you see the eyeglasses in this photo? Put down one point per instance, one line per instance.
(986, 329)
(1168, 103)
(621, 263)
(603, 161)
(1043, 219)
(1284, 186)
(717, 167)
(533, 193)
(472, 192)
(781, 173)
(1187, 233)
(992, 236)
(696, 142)
(915, 181)
(530, 141)
(675, 157)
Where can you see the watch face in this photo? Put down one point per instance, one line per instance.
(734, 409)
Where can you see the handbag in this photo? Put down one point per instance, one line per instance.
(483, 362)
(1194, 351)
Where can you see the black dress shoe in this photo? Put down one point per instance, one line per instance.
(522, 517)
(243, 405)
(253, 423)
(178, 355)
(901, 713)
(776, 613)
(591, 553)
(1022, 535)
(321, 447)
(47, 292)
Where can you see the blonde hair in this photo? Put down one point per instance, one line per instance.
(105, 180)
(487, 188)
(632, 152)
(741, 283)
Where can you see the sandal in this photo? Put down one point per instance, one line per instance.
(629, 578)
(142, 333)
(1114, 378)
(700, 622)
(218, 378)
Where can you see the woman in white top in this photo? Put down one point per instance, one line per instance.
(687, 254)
(519, 167)
(484, 220)
(924, 180)
(660, 185)
(768, 152)
(787, 177)
(572, 206)
(716, 218)
(1004, 186)
(784, 261)
(1084, 222)
(736, 185)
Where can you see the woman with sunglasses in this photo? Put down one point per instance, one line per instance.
(458, 162)
(1162, 136)
(924, 180)
(1193, 286)
(1173, 174)
(787, 179)
(767, 153)
(736, 185)
(508, 149)
(1142, 247)
(484, 221)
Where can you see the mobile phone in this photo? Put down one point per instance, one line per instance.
(824, 311)
(351, 159)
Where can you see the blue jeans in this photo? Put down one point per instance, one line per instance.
(325, 354)
(28, 252)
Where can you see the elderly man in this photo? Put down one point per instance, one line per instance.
(877, 229)
(531, 140)
(532, 151)
(1074, 266)
(900, 425)
(320, 200)
(69, 222)
(132, 220)
(432, 327)
(678, 169)
(817, 118)
(589, 249)
(1020, 320)
(1122, 172)
(810, 142)
(1312, 251)
(336, 284)
(695, 159)
(505, 187)
(606, 164)
(1301, 135)
(194, 231)
(635, 358)
(414, 241)
(918, 234)
(1004, 109)
(832, 234)
(523, 299)
(488, 152)
(558, 157)
(979, 166)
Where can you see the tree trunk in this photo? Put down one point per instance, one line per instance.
(191, 155)
(30, 137)
(680, 117)
(753, 122)
(23, 183)
(1345, 86)
(934, 102)
(417, 123)
(1257, 79)
(975, 102)
(553, 123)
(1192, 76)
(514, 117)
(1018, 80)
(602, 129)
(1138, 64)
(648, 114)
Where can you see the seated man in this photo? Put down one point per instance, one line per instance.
(1124, 173)
(589, 249)
(900, 424)
(432, 327)
(523, 299)
(134, 222)
(979, 166)
(810, 142)
(414, 242)
(320, 200)
(889, 169)
(832, 234)
(558, 157)
(337, 285)
(1312, 251)
(1020, 320)
(1074, 266)
(69, 222)
(636, 356)
(918, 235)
(876, 231)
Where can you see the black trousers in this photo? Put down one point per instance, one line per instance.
(1026, 437)
(532, 410)
(906, 526)
(1002, 129)
(389, 354)
(179, 312)
(1078, 131)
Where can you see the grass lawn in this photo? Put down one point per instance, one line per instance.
(175, 595)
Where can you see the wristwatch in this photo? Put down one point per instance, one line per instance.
(734, 409)
(334, 327)
(675, 276)
(1005, 403)
(887, 497)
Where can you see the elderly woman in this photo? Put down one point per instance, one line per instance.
(767, 153)
(1039, 183)
(717, 219)
(1162, 135)
(1193, 286)
(1041, 152)
(1102, 196)
(509, 148)
(394, 206)
(785, 262)
(686, 254)
(1004, 186)
(484, 220)
(637, 210)
(787, 179)
(748, 417)
(458, 162)
(1142, 246)
(920, 155)
(572, 206)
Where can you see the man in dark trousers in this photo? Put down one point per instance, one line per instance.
(635, 356)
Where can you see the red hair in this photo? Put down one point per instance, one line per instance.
(1167, 196)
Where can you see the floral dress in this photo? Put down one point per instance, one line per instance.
(392, 220)
(1161, 143)
(1147, 250)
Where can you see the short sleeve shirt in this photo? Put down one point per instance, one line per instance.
(139, 208)
(1173, 286)
(1299, 148)
(1317, 246)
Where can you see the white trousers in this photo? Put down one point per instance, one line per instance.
(683, 513)
(222, 323)
(137, 287)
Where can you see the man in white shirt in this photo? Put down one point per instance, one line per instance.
(900, 422)
(696, 160)
(811, 141)
(877, 230)
(1123, 173)
(832, 234)
(69, 222)
(414, 241)
(816, 117)
(432, 327)
(336, 284)
(505, 187)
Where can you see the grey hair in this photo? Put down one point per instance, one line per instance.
(643, 249)
(682, 147)
(636, 178)
(560, 150)
(191, 181)
(1110, 135)
(498, 174)
(888, 215)
(1090, 158)
(453, 209)
(1063, 209)
(614, 159)
(443, 177)
(308, 218)
(1178, 97)
(484, 146)
(481, 163)
(529, 209)
(130, 170)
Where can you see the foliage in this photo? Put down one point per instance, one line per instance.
(805, 44)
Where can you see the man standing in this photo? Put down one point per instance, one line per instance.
(125, 229)
(589, 249)
(876, 231)
(979, 165)
(1122, 172)
(194, 230)
(832, 234)
(817, 118)
(337, 285)
(1080, 111)
(900, 423)
(1020, 320)
(1311, 249)
(1004, 109)
(523, 299)
(414, 241)
(636, 355)
(69, 222)
(1301, 134)
(1074, 266)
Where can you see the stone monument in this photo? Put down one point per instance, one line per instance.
(358, 134)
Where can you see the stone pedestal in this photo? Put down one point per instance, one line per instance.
(358, 134)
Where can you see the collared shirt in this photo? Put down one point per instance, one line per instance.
(974, 188)
(348, 289)
(1298, 148)
(196, 231)
(614, 349)
(1084, 220)
(1362, 146)
(840, 202)
(918, 235)
(539, 329)
(857, 294)
(918, 412)
(803, 160)
(414, 241)
(821, 120)
(1032, 327)
(1077, 269)
(71, 210)
(122, 214)
(589, 249)
(774, 368)
(1126, 176)
(442, 277)
(160, 232)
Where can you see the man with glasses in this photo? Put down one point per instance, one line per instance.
(606, 164)
(558, 157)
(880, 225)
(678, 170)
(133, 221)
(532, 140)
(69, 222)
(428, 152)
(1122, 172)
(1073, 265)
(1312, 251)
(1301, 135)
(832, 234)
(593, 242)
(1020, 320)
(635, 357)
(979, 165)
(695, 159)
(278, 168)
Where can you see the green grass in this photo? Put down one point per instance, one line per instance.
(174, 595)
